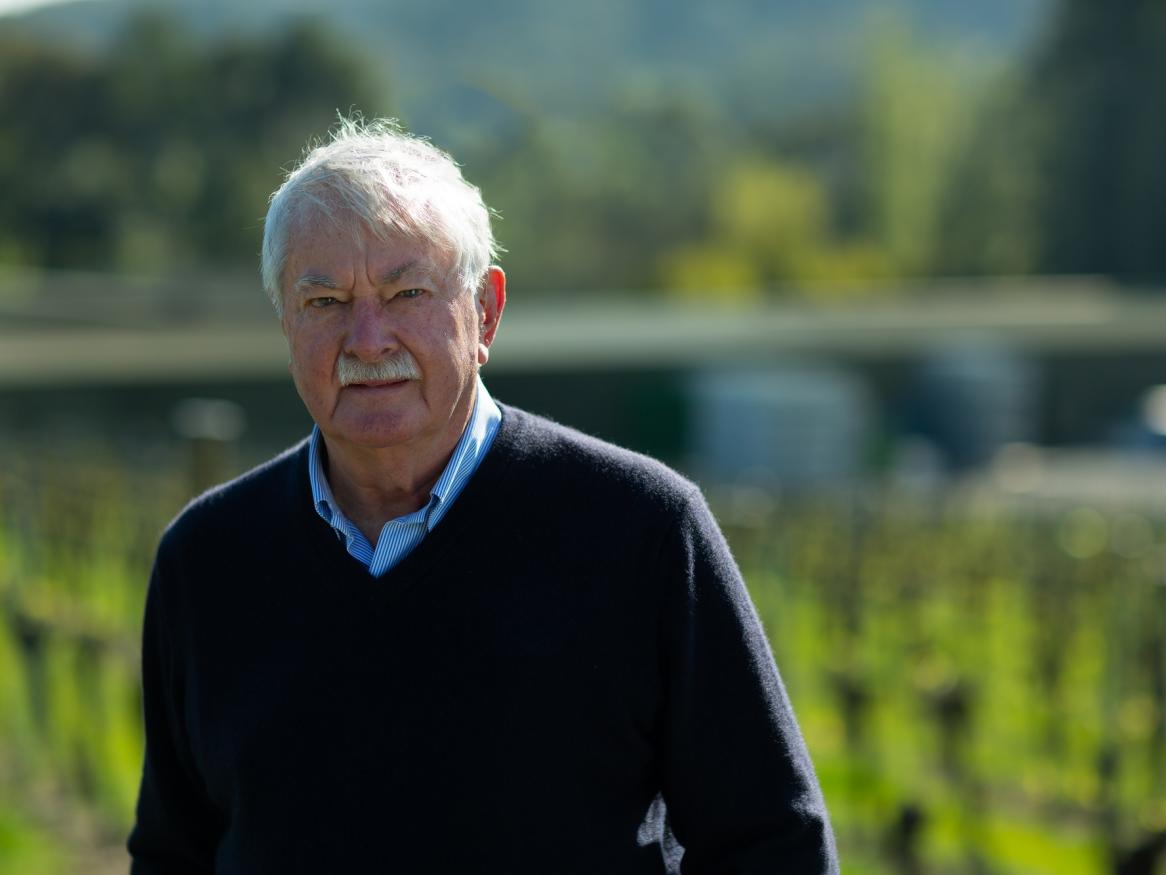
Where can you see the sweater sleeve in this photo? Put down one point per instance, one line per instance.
(175, 831)
(740, 790)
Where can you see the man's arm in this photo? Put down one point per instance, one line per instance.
(176, 828)
(741, 792)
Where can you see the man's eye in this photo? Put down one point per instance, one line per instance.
(410, 293)
(321, 302)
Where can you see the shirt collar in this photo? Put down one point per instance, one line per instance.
(468, 451)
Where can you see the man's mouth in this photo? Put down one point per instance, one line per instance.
(376, 384)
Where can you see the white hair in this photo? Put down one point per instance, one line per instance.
(399, 366)
(373, 176)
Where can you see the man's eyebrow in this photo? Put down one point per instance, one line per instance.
(413, 264)
(315, 279)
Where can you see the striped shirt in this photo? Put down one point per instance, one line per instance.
(399, 536)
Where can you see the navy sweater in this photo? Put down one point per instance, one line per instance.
(566, 675)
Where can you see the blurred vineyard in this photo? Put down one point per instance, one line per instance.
(76, 543)
(982, 685)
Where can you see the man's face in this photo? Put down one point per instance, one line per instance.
(351, 307)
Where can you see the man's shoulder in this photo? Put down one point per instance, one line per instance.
(555, 456)
(245, 501)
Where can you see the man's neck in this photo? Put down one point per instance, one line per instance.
(370, 501)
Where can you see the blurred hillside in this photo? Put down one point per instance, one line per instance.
(449, 56)
(764, 150)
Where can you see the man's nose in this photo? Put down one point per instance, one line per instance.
(371, 334)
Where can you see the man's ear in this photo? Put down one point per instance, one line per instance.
(491, 303)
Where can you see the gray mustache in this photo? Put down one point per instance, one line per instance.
(401, 366)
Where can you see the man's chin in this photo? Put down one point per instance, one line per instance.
(375, 428)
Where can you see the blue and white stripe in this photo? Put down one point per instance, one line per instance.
(399, 536)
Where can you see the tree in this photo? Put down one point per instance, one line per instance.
(1101, 76)
(160, 153)
(1066, 174)
(917, 109)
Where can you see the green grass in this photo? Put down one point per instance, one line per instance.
(26, 847)
(1040, 657)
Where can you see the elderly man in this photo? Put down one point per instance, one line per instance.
(442, 634)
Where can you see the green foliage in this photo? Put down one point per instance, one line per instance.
(167, 149)
(75, 545)
(964, 665)
(157, 152)
(834, 203)
(1064, 174)
(1103, 193)
(26, 848)
(588, 203)
(770, 225)
(918, 109)
(160, 154)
